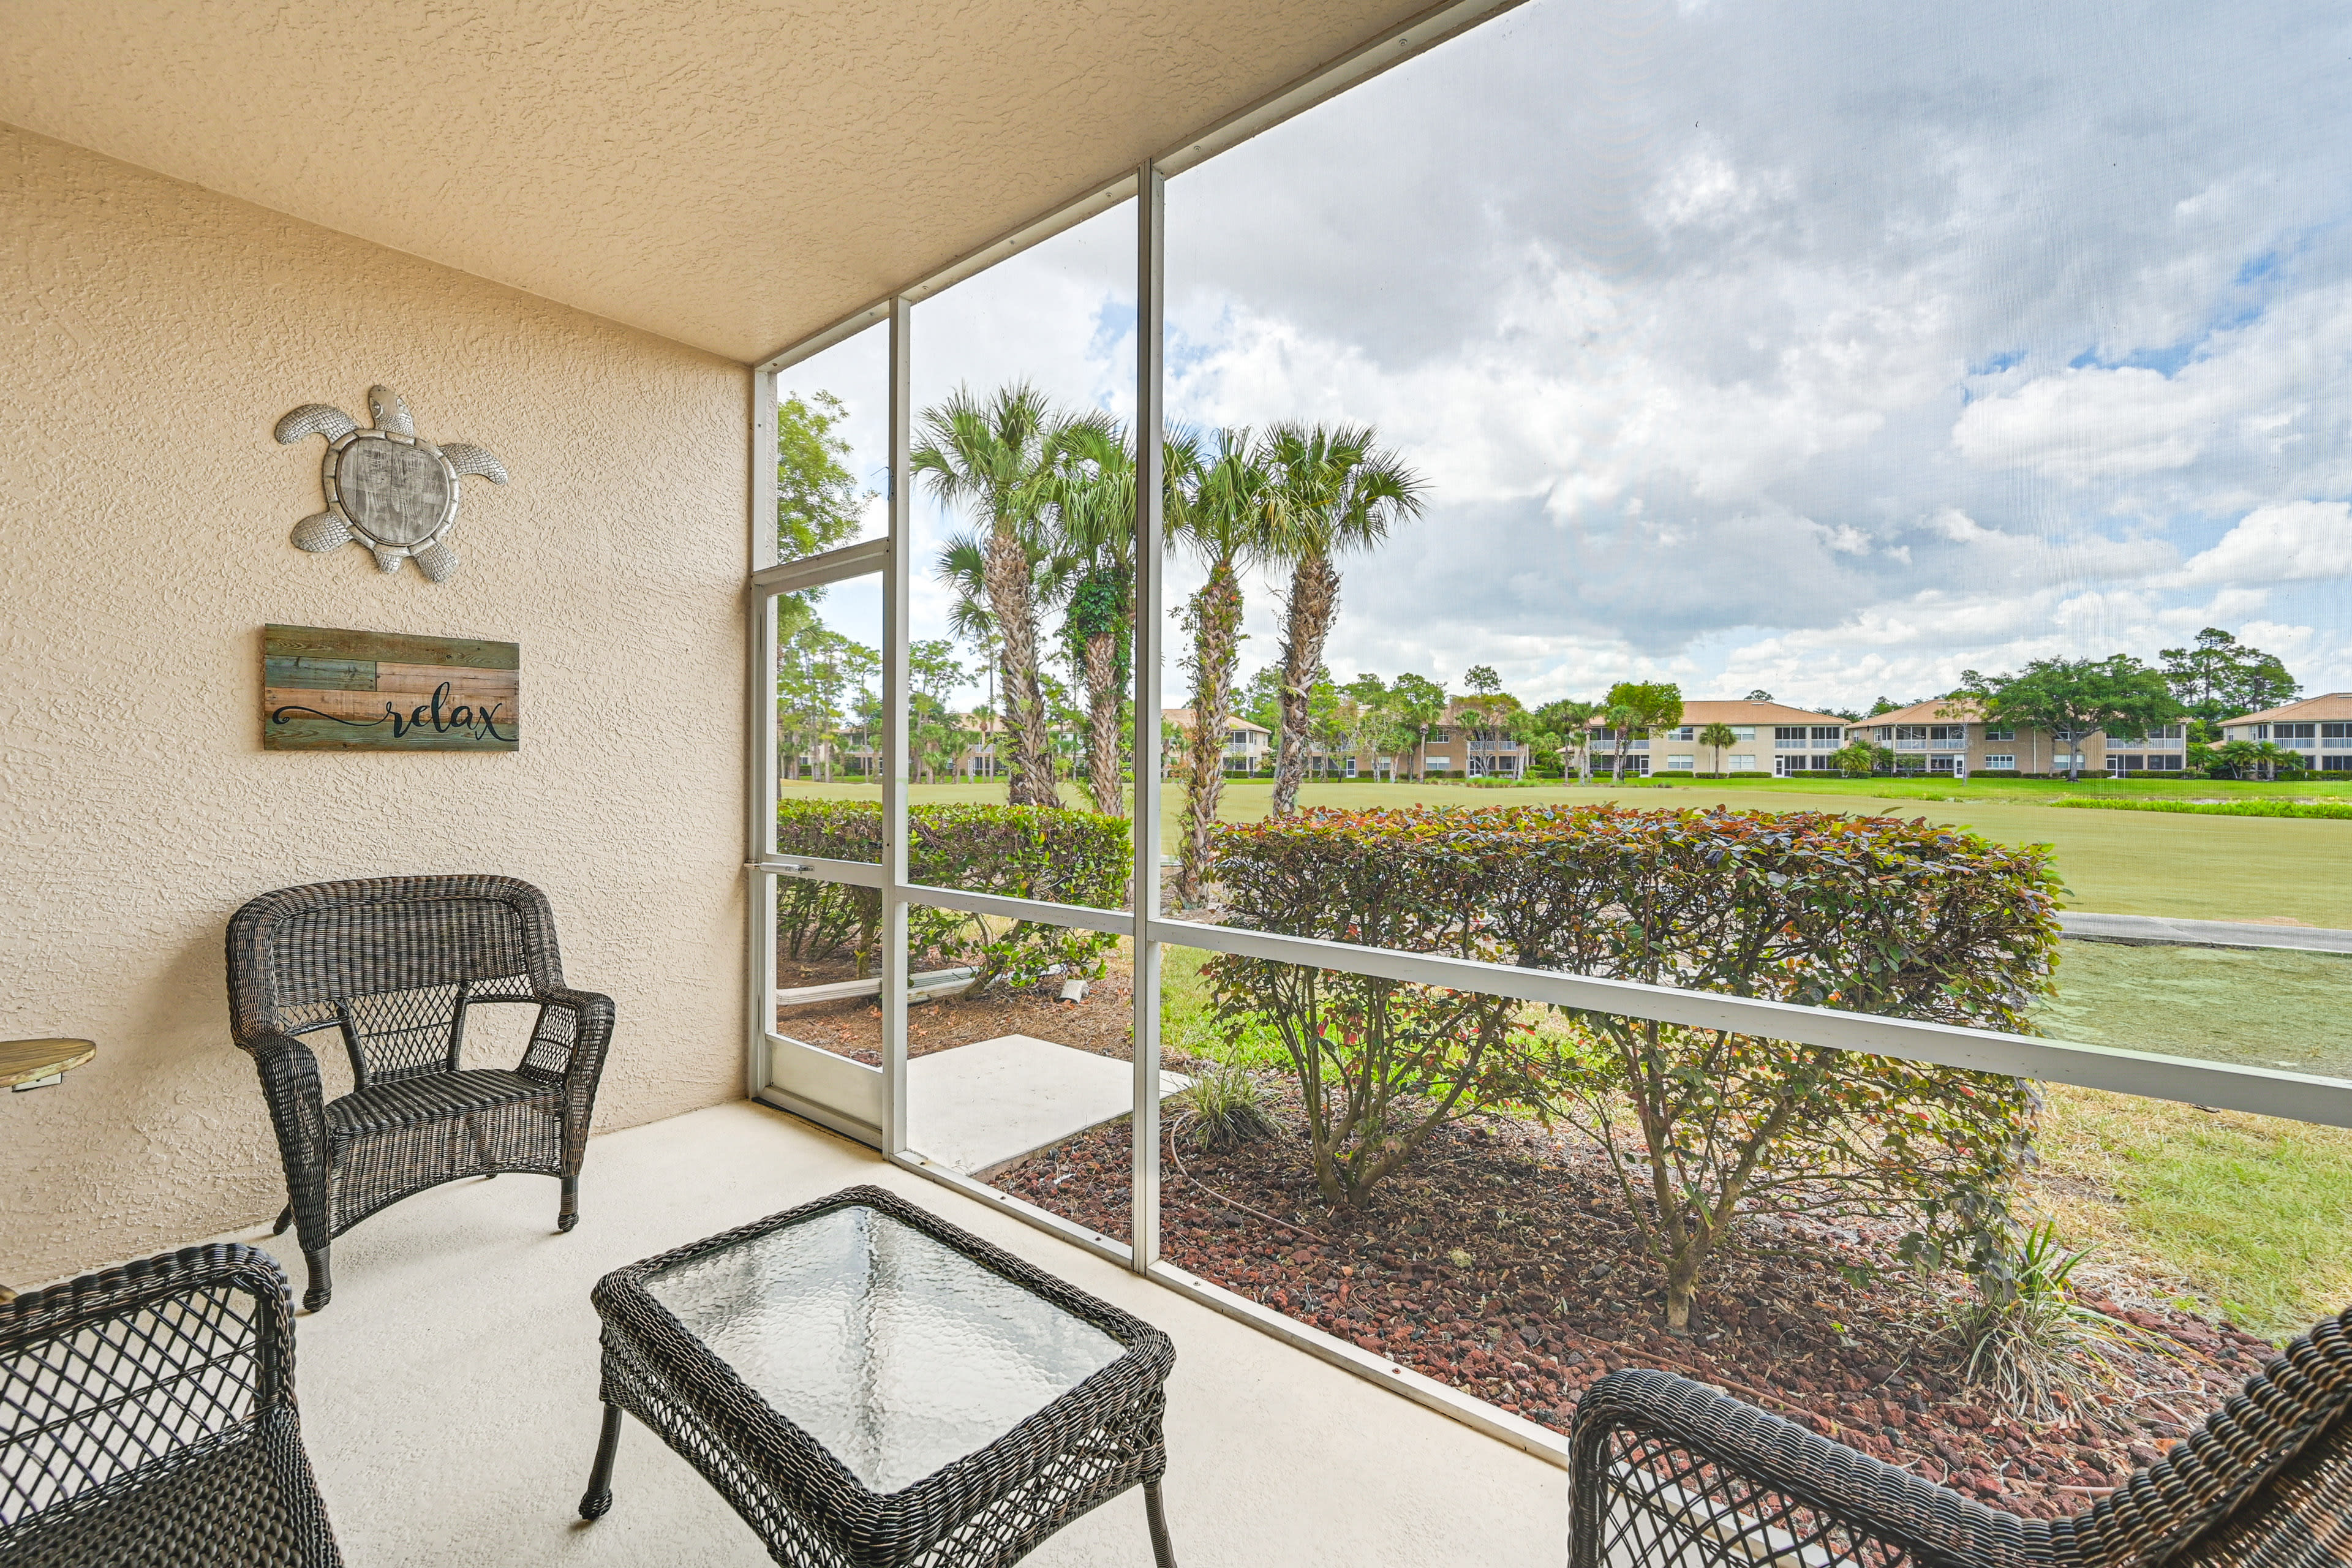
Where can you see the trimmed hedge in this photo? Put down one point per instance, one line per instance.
(2339, 810)
(1870, 914)
(1048, 853)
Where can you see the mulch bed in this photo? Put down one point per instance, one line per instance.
(1104, 1023)
(1502, 1262)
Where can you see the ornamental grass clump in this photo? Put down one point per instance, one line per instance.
(1052, 853)
(1705, 1130)
(2035, 1343)
(1223, 1105)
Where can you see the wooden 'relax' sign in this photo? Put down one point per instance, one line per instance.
(325, 691)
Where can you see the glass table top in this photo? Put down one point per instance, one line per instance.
(893, 1350)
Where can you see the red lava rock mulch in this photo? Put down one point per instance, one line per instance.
(1102, 1024)
(1502, 1262)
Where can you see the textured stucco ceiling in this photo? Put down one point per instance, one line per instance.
(729, 175)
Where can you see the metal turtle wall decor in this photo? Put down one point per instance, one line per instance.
(387, 488)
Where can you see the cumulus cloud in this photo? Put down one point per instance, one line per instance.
(2300, 542)
(1832, 352)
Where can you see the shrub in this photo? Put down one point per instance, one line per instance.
(1050, 853)
(1858, 759)
(1379, 1064)
(1870, 914)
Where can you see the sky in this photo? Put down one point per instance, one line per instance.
(1826, 348)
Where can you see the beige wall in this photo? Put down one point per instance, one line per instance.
(153, 333)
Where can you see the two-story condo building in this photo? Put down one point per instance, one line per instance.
(1767, 737)
(1950, 735)
(1248, 747)
(2320, 727)
(1461, 745)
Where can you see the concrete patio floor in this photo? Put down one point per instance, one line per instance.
(449, 1393)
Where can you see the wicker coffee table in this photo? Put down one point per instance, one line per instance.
(868, 1384)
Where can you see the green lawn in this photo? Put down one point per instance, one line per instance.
(2248, 1211)
(2116, 862)
(2257, 1008)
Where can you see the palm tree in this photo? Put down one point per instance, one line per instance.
(1717, 737)
(1227, 518)
(1337, 490)
(1090, 502)
(1620, 717)
(996, 455)
(962, 566)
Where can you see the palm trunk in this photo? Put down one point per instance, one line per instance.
(1216, 647)
(1102, 721)
(1314, 602)
(1007, 577)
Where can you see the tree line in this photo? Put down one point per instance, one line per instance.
(1047, 496)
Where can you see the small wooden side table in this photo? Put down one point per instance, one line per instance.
(37, 1064)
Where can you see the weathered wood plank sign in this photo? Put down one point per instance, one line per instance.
(325, 691)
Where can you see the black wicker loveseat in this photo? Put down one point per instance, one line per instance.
(391, 966)
(1668, 1473)
(147, 1417)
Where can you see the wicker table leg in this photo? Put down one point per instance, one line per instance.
(597, 1501)
(1162, 1553)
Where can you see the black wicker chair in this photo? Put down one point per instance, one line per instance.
(147, 1417)
(1668, 1473)
(391, 966)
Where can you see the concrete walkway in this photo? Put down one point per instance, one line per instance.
(2156, 931)
(983, 1107)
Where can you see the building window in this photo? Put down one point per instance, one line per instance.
(2293, 731)
(1743, 731)
(1681, 762)
(1685, 733)
(1742, 763)
(2336, 736)
(2000, 733)
(1789, 737)
(1437, 762)
(2001, 761)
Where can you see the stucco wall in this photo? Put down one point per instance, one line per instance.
(153, 333)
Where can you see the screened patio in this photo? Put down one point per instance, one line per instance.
(891, 416)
